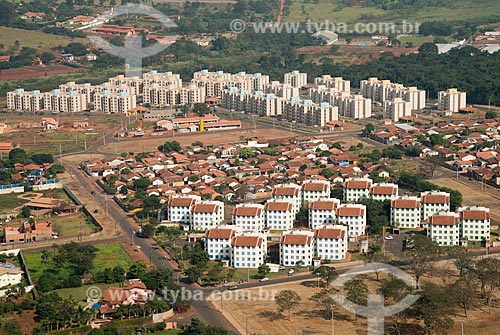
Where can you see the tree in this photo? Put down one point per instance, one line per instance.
(463, 292)
(369, 128)
(197, 144)
(47, 57)
(246, 153)
(263, 270)
(394, 290)
(142, 183)
(45, 255)
(434, 308)
(357, 292)
(26, 212)
(77, 49)
(137, 271)
(491, 114)
(420, 257)
(147, 230)
(324, 299)
(168, 147)
(428, 48)
(17, 155)
(327, 273)
(194, 274)
(56, 168)
(287, 300)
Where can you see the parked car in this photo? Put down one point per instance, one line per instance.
(264, 279)
(281, 267)
(291, 272)
(234, 287)
(389, 237)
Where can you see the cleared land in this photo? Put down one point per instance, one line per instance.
(73, 225)
(35, 39)
(10, 201)
(36, 71)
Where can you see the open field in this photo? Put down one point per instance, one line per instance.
(26, 72)
(332, 11)
(35, 39)
(80, 293)
(73, 225)
(473, 196)
(10, 201)
(208, 138)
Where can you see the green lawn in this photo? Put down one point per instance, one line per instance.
(35, 39)
(80, 293)
(108, 256)
(9, 202)
(73, 225)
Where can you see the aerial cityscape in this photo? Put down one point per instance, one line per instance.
(249, 167)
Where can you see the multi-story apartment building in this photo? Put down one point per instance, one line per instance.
(383, 191)
(265, 104)
(179, 209)
(166, 79)
(351, 106)
(20, 100)
(279, 215)
(309, 113)
(284, 91)
(375, 89)
(249, 250)
(57, 101)
(405, 212)
(235, 99)
(135, 84)
(114, 103)
(444, 228)
(414, 96)
(355, 189)
(156, 95)
(474, 223)
(288, 192)
(330, 243)
(86, 89)
(452, 100)
(249, 217)
(433, 202)
(337, 83)
(295, 246)
(322, 212)
(354, 217)
(218, 243)
(295, 79)
(397, 108)
(315, 189)
(206, 215)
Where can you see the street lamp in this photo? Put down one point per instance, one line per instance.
(317, 275)
(333, 329)
(462, 325)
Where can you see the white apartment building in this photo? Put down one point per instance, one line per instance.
(355, 189)
(20, 100)
(265, 104)
(218, 243)
(156, 95)
(414, 96)
(383, 191)
(315, 189)
(57, 101)
(249, 217)
(295, 246)
(444, 228)
(166, 79)
(114, 103)
(333, 82)
(10, 277)
(295, 79)
(331, 242)
(452, 100)
(397, 108)
(135, 84)
(351, 106)
(206, 215)
(284, 91)
(309, 113)
(322, 212)
(279, 215)
(405, 212)
(433, 202)
(354, 217)
(474, 223)
(249, 250)
(235, 99)
(288, 192)
(212, 82)
(375, 89)
(179, 209)
(86, 89)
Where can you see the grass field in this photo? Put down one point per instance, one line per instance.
(108, 256)
(35, 39)
(332, 11)
(9, 202)
(80, 293)
(73, 225)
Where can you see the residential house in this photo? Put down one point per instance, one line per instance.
(10, 277)
(131, 294)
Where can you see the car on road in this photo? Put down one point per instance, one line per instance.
(264, 279)
(234, 287)
(389, 237)
(155, 246)
(291, 272)
(281, 267)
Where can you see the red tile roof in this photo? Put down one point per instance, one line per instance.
(323, 205)
(350, 211)
(296, 239)
(329, 233)
(474, 215)
(384, 189)
(181, 202)
(220, 233)
(443, 220)
(247, 241)
(247, 211)
(205, 208)
(285, 191)
(357, 184)
(278, 206)
(405, 203)
(315, 187)
(435, 198)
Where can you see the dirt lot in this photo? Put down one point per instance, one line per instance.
(208, 138)
(36, 71)
(473, 196)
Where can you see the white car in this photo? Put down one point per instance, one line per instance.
(389, 237)
(264, 279)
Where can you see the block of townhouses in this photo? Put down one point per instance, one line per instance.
(383, 191)
(288, 192)
(207, 214)
(405, 212)
(179, 209)
(279, 215)
(355, 189)
(354, 217)
(474, 223)
(218, 243)
(432, 202)
(295, 246)
(444, 228)
(322, 212)
(331, 242)
(249, 217)
(315, 189)
(248, 250)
